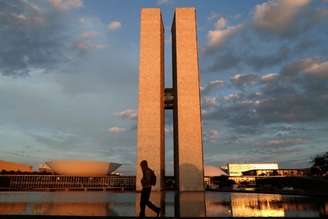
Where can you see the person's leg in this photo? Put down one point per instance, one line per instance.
(153, 207)
(150, 204)
(143, 201)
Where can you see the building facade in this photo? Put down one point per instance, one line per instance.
(237, 169)
(183, 99)
(278, 172)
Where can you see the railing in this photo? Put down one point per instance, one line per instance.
(67, 183)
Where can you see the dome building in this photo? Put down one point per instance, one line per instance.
(210, 171)
(82, 167)
(7, 166)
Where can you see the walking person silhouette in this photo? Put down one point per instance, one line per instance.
(148, 179)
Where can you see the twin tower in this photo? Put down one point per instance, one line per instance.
(183, 98)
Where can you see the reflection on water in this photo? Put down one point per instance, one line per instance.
(12, 208)
(255, 205)
(264, 205)
(83, 209)
(218, 205)
(190, 204)
(211, 204)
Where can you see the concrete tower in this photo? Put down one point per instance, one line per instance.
(183, 99)
(150, 121)
(188, 145)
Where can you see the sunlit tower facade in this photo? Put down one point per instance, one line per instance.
(183, 98)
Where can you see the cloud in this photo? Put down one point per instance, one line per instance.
(53, 121)
(65, 86)
(100, 46)
(267, 59)
(232, 97)
(127, 114)
(292, 27)
(221, 23)
(317, 69)
(117, 130)
(61, 140)
(92, 37)
(216, 37)
(277, 16)
(294, 95)
(213, 135)
(212, 86)
(307, 66)
(35, 36)
(161, 2)
(114, 25)
(282, 143)
(241, 80)
(225, 60)
(65, 5)
(256, 58)
(269, 77)
(212, 16)
(90, 34)
(87, 46)
(210, 102)
(242, 157)
(294, 68)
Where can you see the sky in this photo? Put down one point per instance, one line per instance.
(69, 69)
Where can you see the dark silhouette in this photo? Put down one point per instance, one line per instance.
(320, 165)
(147, 181)
(224, 183)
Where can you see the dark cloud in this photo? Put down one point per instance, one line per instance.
(261, 61)
(287, 18)
(281, 143)
(209, 102)
(255, 58)
(299, 66)
(312, 68)
(282, 18)
(278, 32)
(212, 86)
(241, 80)
(306, 44)
(224, 61)
(35, 35)
(295, 95)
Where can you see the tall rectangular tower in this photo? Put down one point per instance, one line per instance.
(150, 121)
(188, 147)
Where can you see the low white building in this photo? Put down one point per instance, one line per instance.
(237, 169)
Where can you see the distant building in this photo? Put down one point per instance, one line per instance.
(243, 179)
(211, 172)
(82, 167)
(278, 172)
(6, 166)
(44, 168)
(237, 169)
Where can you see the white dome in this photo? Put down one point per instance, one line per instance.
(82, 167)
